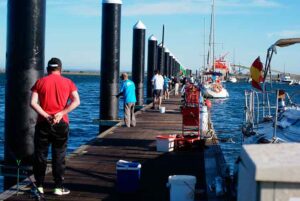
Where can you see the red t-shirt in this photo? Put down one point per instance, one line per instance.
(54, 92)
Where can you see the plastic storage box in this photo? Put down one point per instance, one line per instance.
(165, 143)
(128, 176)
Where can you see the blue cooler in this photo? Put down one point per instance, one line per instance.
(128, 176)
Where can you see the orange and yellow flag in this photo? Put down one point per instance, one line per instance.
(256, 73)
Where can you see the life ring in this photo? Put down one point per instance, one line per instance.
(217, 88)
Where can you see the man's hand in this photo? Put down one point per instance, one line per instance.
(49, 118)
(119, 94)
(58, 117)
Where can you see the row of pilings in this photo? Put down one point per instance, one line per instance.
(25, 64)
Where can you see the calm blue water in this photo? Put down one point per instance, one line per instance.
(227, 115)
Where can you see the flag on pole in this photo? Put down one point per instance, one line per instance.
(256, 73)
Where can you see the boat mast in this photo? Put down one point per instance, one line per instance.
(209, 52)
(213, 34)
(204, 47)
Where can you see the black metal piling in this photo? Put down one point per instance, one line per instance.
(110, 60)
(138, 60)
(152, 65)
(171, 65)
(177, 67)
(166, 62)
(24, 65)
(160, 58)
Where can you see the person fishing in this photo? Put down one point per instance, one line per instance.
(128, 92)
(53, 97)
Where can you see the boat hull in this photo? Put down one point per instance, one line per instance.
(209, 92)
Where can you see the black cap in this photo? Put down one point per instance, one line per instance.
(54, 63)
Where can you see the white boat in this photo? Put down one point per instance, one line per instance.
(277, 124)
(212, 86)
(214, 90)
(294, 82)
(285, 77)
(267, 123)
(232, 79)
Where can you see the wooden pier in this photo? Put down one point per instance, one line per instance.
(91, 170)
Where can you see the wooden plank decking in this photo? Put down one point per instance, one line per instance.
(91, 174)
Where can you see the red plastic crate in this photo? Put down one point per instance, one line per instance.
(192, 94)
(190, 116)
(190, 120)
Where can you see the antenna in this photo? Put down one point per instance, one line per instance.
(163, 36)
(213, 34)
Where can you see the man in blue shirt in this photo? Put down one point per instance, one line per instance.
(128, 92)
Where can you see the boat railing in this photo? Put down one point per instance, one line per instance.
(259, 108)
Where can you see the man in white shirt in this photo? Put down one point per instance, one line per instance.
(158, 84)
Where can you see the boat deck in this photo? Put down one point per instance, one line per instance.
(91, 171)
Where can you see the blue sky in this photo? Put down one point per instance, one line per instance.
(244, 28)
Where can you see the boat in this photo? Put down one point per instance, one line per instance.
(232, 79)
(294, 82)
(213, 89)
(271, 116)
(213, 78)
(285, 78)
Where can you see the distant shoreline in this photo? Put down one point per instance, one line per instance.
(80, 73)
(73, 73)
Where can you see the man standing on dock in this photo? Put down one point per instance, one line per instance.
(128, 92)
(158, 84)
(53, 97)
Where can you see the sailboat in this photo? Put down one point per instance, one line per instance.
(267, 123)
(212, 86)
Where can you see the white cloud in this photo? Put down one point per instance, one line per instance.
(285, 34)
(265, 3)
(163, 7)
(168, 7)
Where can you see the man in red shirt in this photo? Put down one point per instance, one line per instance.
(53, 97)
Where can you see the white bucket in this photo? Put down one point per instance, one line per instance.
(182, 187)
(162, 109)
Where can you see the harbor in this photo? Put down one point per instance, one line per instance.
(170, 113)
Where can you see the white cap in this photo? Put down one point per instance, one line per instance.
(112, 1)
(167, 50)
(152, 37)
(139, 25)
